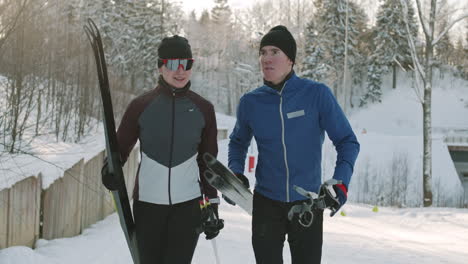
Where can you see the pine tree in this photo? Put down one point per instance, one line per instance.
(390, 47)
(313, 65)
(391, 41)
(374, 79)
(221, 24)
(221, 12)
(325, 47)
(205, 17)
(444, 48)
(464, 64)
(132, 31)
(460, 58)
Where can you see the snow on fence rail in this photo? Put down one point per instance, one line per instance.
(69, 205)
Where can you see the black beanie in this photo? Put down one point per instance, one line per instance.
(174, 47)
(280, 37)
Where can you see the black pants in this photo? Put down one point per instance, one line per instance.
(166, 234)
(270, 224)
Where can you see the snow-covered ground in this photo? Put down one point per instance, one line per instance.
(391, 129)
(391, 140)
(391, 235)
(434, 235)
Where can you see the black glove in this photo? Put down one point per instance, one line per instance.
(211, 224)
(108, 179)
(244, 180)
(334, 201)
(342, 194)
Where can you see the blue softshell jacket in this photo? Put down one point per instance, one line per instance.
(289, 128)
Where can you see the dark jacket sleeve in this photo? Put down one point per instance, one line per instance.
(209, 143)
(127, 133)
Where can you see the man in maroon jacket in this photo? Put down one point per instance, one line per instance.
(175, 126)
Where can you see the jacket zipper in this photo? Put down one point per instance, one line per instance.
(171, 151)
(284, 142)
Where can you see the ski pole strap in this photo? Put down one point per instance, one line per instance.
(321, 201)
(304, 213)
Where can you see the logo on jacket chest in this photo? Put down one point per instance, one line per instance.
(295, 114)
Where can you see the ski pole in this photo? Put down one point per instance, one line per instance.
(215, 249)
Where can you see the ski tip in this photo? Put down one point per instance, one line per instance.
(91, 23)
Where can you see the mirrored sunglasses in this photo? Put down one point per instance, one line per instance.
(175, 64)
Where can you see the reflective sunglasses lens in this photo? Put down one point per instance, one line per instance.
(174, 64)
(189, 65)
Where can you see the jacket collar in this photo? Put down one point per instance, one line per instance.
(278, 87)
(171, 90)
(286, 86)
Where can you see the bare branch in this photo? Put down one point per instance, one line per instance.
(399, 64)
(441, 35)
(418, 87)
(414, 54)
(450, 12)
(421, 18)
(6, 32)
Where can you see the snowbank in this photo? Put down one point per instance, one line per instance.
(49, 158)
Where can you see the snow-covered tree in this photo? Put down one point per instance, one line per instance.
(314, 66)
(423, 64)
(327, 50)
(221, 12)
(226, 57)
(10, 12)
(445, 48)
(132, 31)
(374, 82)
(392, 46)
(460, 58)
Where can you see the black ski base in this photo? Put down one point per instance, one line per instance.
(120, 195)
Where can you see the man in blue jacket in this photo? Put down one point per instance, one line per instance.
(288, 116)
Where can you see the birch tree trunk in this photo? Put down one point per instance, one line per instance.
(424, 71)
(427, 104)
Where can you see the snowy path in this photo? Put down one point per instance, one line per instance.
(432, 235)
(391, 236)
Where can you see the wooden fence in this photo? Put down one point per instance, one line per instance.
(71, 204)
(19, 213)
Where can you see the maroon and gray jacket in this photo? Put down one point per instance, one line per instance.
(175, 127)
